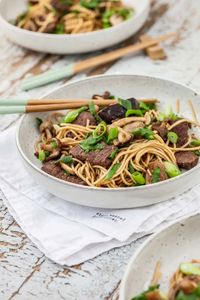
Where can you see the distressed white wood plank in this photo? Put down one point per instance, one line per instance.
(24, 272)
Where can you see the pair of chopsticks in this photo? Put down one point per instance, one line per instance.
(12, 106)
(72, 69)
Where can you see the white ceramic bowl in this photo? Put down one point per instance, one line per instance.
(123, 86)
(74, 43)
(171, 246)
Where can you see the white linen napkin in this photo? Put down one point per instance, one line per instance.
(68, 233)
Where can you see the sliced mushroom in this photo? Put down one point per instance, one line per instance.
(124, 136)
(130, 127)
(125, 121)
(53, 155)
(47, 127)
(187, 286)
(116, 20)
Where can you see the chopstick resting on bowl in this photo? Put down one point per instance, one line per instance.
(12, 106)
(72, 69)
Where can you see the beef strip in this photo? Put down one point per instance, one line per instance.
(97, 157)
(83, 117)
(112, 112)
(151, 167)
(60, 5)
(161, 128)
(182, 131)
(105, 95)
(55, 170)
(116, 111)
(186, 160)
(50, 27)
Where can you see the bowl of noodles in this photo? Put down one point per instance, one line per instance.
(71, 26)
(141, 148)
(166, 266)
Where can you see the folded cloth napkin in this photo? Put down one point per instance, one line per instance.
(68, 233)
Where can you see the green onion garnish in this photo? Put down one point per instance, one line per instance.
(171, 169)
(66, 159)
(42, 155)
(112, 134)
(138, 178)
(113, 153)
(144, 132)
(113, 171)
(39, 121)
(100, 130)
(195, 143)
(172, 137)
(136, 112)
(72, 115)
(54, 145)
(125, 103)
(131, 168)
(156, 175)
(190, 269)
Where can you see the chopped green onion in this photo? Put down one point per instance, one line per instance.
(66, 159)
(113, 171)
(172, 137)
(171, 169)
(125, 13)
(195, 143)
(91, 4)
(92, 108)
(42, 155)
(190, 269)
(146, 106)
(136, 112)
(144, 132)
(138, 178)
(60, 29)
(131, 169)
(197, 152)
(171, 115)
(91, 143)
(100, 130)
(54, 145)
(125, 103)
(112, 134)
(39, 121)
(113, 153)
(72, 115)
(106, 18)
(156, 175)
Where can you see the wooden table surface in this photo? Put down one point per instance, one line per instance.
(25, 273)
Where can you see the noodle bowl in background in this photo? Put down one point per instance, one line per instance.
(73, 16)
(70, 43)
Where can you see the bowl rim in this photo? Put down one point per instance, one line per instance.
(78, 35)
(153, 236)
(120, 189)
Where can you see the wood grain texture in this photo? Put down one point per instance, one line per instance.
(24, 271)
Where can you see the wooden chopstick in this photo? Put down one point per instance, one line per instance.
(52, 76)
(80, 102)
(42, 105)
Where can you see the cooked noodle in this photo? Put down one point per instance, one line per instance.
(72, 17)
(139, 153)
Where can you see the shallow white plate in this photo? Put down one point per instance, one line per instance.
(173, 245)
(74, 43)
(124, 86)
